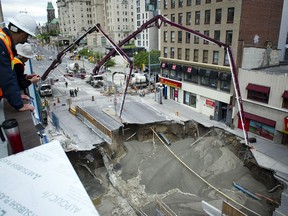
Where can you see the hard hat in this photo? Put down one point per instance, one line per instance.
(25, 50)
(24, 22)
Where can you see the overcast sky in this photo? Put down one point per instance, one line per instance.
(37, 9)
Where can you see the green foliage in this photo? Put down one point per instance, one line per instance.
(143, 58)
(95, 57)
(110, 63)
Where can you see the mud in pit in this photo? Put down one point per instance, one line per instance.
(149, 171)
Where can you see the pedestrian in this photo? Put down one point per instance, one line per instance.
(19, 29)
(75, 92)
(24, 52)
(66, 84)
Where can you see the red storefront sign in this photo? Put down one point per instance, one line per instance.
(210, 103)
(286, 123)
(170, 82)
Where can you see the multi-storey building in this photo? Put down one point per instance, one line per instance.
(75, 16)
(118, 18)
(197, 73)
(145, 10)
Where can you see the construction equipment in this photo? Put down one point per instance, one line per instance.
(61, 54)
(157, 21)
(138, 80)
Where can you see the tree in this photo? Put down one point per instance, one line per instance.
(143, 58)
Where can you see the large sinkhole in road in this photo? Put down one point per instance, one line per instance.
(146, 171)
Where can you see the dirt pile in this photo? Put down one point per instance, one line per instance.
(151, 171)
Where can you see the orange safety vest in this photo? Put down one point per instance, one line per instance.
(8, 44)
(17, 61)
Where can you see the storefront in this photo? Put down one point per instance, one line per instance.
(172, 88)
(258, 125)
(285, 132)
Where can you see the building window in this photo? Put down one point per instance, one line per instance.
(225, 83)
(215, 57)
(189, 2)
(173, 17)
(205, 56)
(165, 4)
(165, 36)
(179, 53)
(230, 15)
(198, 2)
(258, 93)
(285, 100)
(172, 39)
(218, 16)
(229, 35)
(180, 18)
(180, 3)
(217, 35)
(187, 54)
(179, 36)
(190, 74)
(196, 55)
(190, 99)
(172, 3)
(165, 52)
(196, 39)
(226, 60)
(188, 18)
(208, 78)
(197, 18)
(172, 52)
(188, 37)
(208, 1)
(207, 17)
(206, 33)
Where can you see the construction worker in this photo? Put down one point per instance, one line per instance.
(19, 29)
(24, 52)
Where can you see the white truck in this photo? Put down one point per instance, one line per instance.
(45, 89)
(72, 68)
(138, 80)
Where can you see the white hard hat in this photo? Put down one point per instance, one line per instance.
(25, 50)
(24, 22)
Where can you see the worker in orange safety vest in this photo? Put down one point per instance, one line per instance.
(24, 53)
(19, 29)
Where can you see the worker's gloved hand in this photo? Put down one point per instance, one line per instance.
(27, 107)
(35, 79)
(25, 97)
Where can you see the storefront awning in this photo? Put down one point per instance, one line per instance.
(163, 65)
(258, 88)
(191, 70)
(225, 76)
(175, 67)
(260, 119)
(213, 74)
(285, 94)
(203, 72)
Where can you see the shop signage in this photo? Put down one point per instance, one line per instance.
(170, 82)
(286, 123)
(210, 103)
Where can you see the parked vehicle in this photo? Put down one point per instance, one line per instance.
(45, 89)
(96, 81)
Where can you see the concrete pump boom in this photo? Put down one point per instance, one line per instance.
(157, 22)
